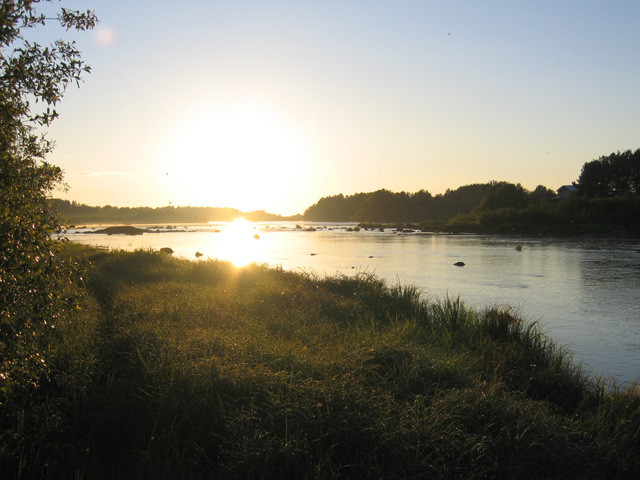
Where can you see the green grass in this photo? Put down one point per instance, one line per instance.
(177, 369)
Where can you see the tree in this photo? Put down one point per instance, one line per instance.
(502, 195)
(541, 194)
(616, 174)
(33, 79)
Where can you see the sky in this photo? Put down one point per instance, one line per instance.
(274, 104)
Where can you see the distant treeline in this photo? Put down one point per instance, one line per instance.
(386, 207)
(77, 213)
(603, 199)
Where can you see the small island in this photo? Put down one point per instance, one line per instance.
(121, 230)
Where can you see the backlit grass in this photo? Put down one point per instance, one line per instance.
(177, 369)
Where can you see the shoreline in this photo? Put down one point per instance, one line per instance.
(235, 373)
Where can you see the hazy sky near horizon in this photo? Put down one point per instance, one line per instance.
(272, 105)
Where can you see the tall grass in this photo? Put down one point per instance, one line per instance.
(176, 369)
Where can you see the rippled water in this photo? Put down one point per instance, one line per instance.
(585, 293)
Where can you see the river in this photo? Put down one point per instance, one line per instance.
(585, 293)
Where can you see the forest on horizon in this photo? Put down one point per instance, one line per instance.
(604, 199)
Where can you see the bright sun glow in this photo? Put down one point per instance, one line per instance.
(242, 157)
(241, 244)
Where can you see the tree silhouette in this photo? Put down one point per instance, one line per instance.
(616, 174)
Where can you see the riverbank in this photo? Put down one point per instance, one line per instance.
(177, 369)
(569, 230)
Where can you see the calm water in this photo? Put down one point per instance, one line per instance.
(585, 293)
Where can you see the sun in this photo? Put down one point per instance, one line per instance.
(245, 157)
(241, 243)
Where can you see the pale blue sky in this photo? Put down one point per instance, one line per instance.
(272, 105)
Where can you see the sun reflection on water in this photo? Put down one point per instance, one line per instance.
(241, 244)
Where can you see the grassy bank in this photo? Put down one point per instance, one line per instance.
(177, 369)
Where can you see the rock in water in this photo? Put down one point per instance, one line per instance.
(122, 230)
